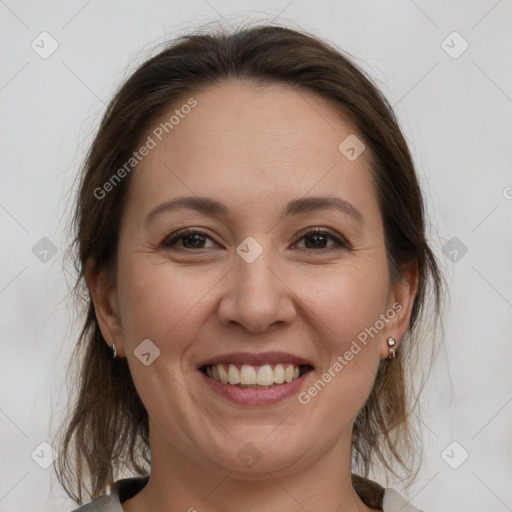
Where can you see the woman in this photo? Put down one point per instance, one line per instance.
(251, 233)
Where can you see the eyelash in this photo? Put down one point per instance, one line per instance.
(170, 242)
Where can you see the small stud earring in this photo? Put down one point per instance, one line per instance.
(114, 351)
(391, 343)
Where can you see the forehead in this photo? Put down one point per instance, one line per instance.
(255, 146)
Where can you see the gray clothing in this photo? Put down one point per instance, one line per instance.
(126, 488)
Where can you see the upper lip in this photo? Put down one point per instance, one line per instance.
(254, 359)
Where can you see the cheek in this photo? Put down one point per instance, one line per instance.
(349, 311)
(146, 307)
(348, 302)
(161, 302)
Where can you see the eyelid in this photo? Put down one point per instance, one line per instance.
(177, 235)
(339, 239)
(342, 243)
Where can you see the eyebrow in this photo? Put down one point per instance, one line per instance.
(208, 206)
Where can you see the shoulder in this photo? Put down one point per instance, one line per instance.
(394, 502)
(109, 503)
(121, 490)
(371, 493)
(375, 496)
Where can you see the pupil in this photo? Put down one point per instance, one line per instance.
(196, 238)
(318, 238)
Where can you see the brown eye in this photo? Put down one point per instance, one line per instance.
(189, 239)
(319, 240)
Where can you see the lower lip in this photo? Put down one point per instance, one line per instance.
(248, 396)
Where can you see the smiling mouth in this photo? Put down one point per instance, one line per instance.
(255, 377)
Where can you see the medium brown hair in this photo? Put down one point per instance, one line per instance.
(107, 426)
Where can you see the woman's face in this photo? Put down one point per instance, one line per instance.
(250, 285)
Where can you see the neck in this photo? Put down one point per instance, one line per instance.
(180, 483)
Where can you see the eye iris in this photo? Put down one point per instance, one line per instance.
(312, 241)
(197, 240)
(319, 241)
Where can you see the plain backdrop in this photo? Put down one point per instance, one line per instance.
(444, 66)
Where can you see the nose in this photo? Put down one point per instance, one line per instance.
(257, 294)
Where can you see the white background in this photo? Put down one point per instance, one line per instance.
(455, 112)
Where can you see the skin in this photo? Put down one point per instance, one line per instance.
(254, 149)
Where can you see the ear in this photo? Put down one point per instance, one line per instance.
(104, 298)
(401, 300)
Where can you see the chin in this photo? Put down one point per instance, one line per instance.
(253, 460)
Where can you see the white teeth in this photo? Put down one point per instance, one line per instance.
(265, 376)
(249, 375)
(222, 374)
(288, 373)
(233, 375)
(279, 374)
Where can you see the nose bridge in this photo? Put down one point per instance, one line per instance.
(256, 297)
(253, 268)
(254, 280)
